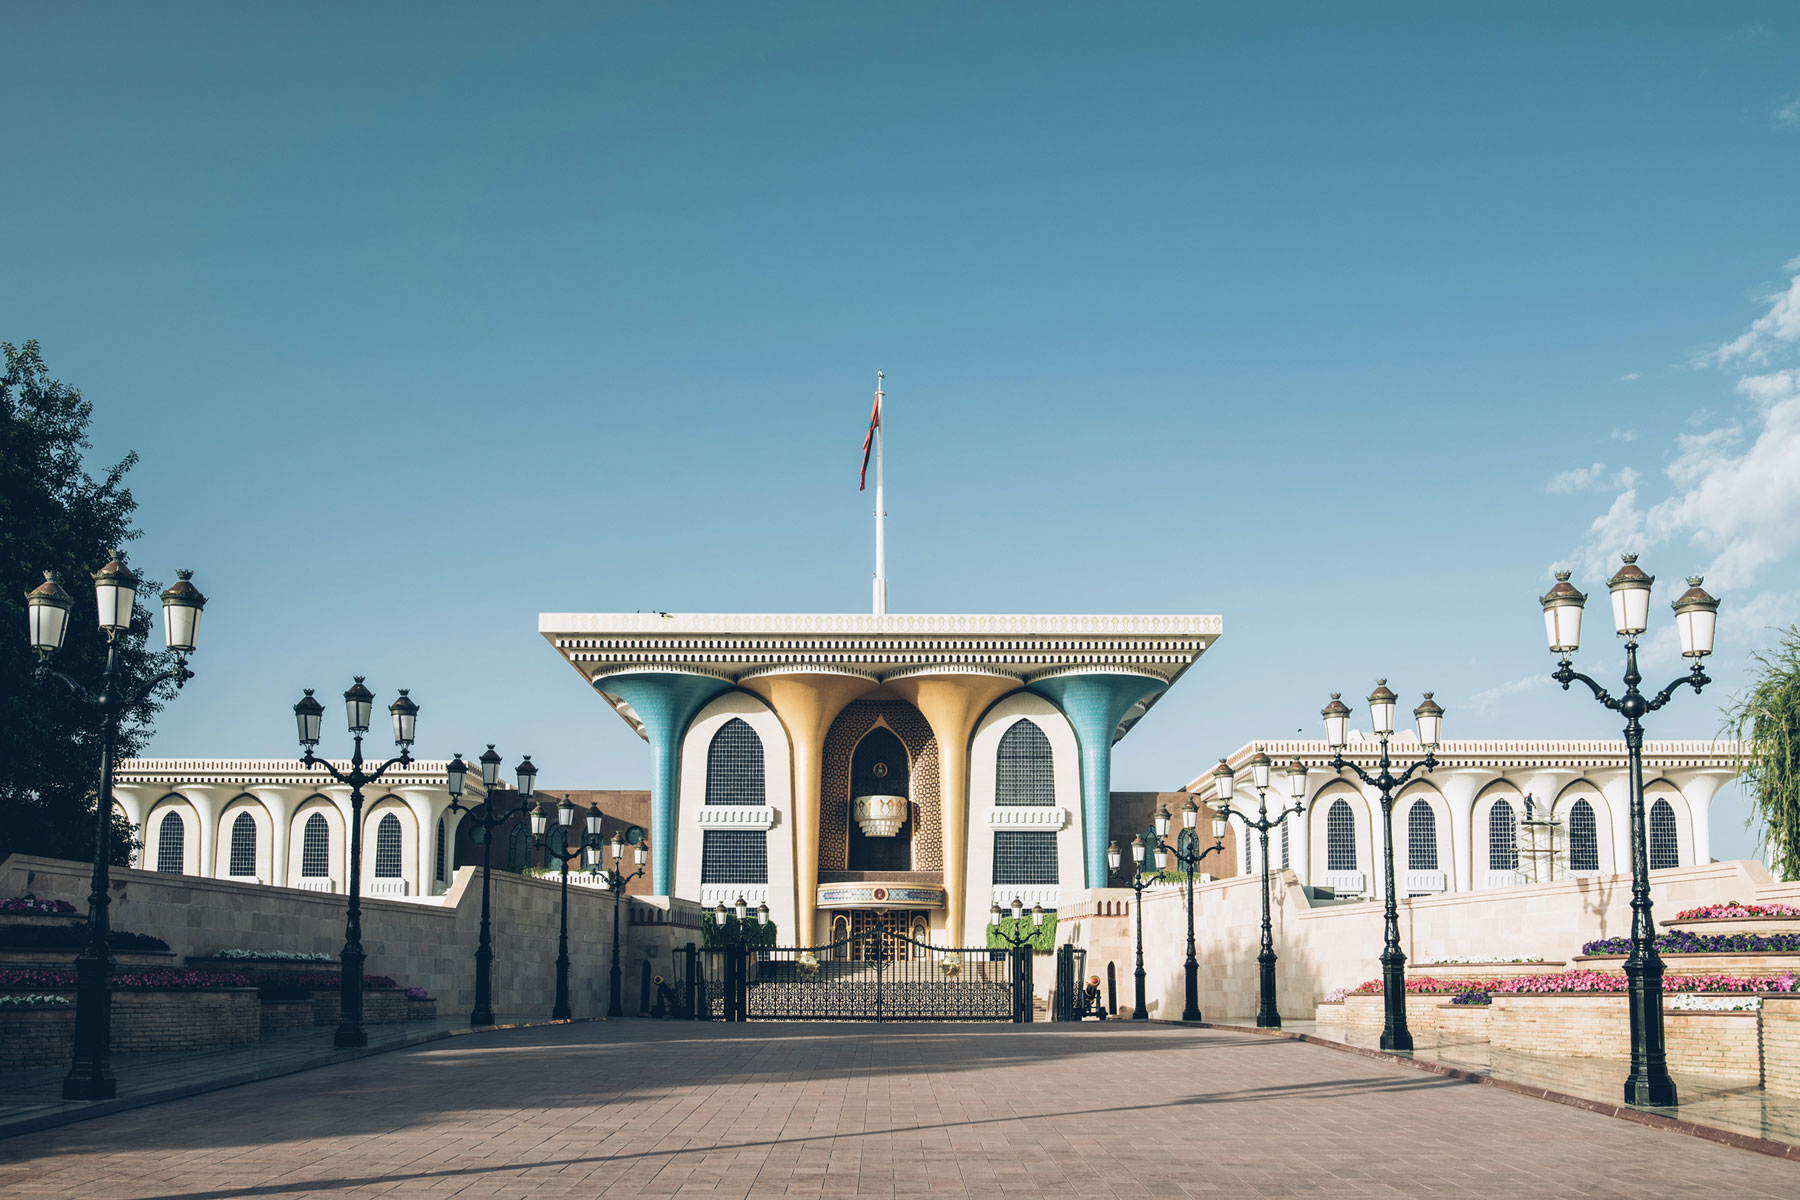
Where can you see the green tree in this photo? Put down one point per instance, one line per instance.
(1767, 717)
(54, 516)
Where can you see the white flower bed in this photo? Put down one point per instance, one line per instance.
(19, 1001)
(1699, 1002)
(274, 956)
(1484, 960)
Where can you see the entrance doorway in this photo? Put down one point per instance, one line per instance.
(849, 929)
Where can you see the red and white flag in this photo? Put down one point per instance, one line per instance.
(869, 439)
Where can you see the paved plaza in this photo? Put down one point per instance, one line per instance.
(662, 1109)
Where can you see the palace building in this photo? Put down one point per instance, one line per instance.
(905, 770)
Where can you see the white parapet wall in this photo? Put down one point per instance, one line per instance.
(1328, 945)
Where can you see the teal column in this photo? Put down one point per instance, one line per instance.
(665, 702)
(1094, 705)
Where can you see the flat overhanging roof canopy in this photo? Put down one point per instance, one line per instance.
(734, 647)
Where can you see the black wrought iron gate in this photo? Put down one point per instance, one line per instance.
(875, 975)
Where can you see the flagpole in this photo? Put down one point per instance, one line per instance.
(880, 507)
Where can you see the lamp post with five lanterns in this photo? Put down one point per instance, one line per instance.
(1430, 716)
(359, 703)
(1016, 943)
(737, 954)
(1696, 619)
(1268, 1015)
(488, 822)
(563, 853)
(47, 609)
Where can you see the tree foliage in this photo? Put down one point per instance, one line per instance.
(55, 516)
(1767, 718)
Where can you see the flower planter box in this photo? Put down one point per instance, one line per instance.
(1330, 1014)
(43, 918)
(261, 969)
(62, 960)
(1461, 1023)
(181, 1019)
(421, 1010)
(1775, 962)
(281, 1015)
(1781, 1045)
(1366, 1016)
(1483, 970)
(381, 1006)
(37, 1036)
(1724, 1045)
(1737, 925)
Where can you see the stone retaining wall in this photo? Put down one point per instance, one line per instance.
(36, 1037)
(1597, 1025)
(185, 1020)
(1781, 1045)
(280, 1015)
(1366, 1015)
(381, 1006)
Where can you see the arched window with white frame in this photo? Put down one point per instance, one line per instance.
(1024, 768)
(1503, 837)
(439, 860)
(315, 847)
(735, 775)
(1584, 838)
(1340, 836)
(387, 847)
(171, 843)
(1665, 847)
(242, 863)
(1421, 837)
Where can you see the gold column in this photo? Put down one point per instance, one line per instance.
(807, 705)
(951, 704)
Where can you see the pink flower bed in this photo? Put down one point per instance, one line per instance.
(1424, 985)
(1732, 909)
(1613, 981)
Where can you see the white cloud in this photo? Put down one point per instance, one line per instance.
(1630, 377)
(1735, 498)
(1578, 479)
(1487, 700)
(1779, 326)
(1788, 115)
(1624, 435)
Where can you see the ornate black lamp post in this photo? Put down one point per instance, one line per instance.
(560, 850)
(1017, 942)
(1696, 617)
(47, 607)
(1394, 1033)
(359, 704)
(615, 883)
(489, 820)
(1188, 856)
(1139, 882)
(1268, 1016)
(734, 937)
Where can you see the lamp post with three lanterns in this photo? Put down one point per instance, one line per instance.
(615, 883)
(1188, 856)
(359, 705)
(489, 820)
(735, 938)
(47, 609)
(1016, 943)
(1139, 882)
(1696, 619)
(1430, 715)
(1268, 1016)
(559, 850)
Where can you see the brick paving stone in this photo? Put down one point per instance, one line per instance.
(752, 1112)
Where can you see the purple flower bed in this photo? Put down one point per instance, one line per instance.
(36, 907)
(417, 994)
(1683, 941)
(1475, 998)
(162, 979)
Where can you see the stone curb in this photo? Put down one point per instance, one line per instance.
(77, 1111)
(1711, 1133)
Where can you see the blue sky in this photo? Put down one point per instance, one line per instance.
(1345, 325)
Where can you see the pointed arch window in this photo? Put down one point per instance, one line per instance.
(315, 848)
(1284, 845)
(519, 848)
(387, 847)
(1025, 770)
(1665, 847)
(242, 863)
(171, 843)
(1340, 837)
(1503, 838)
(1421, 837)
(734, 765)
(1584, 838)
(439, 858)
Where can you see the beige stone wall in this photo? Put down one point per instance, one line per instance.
(1724, 1045)
(1781, 1045)
(1327, 945)
(36, 1037)
(185, 1020)
(420, 943)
